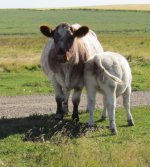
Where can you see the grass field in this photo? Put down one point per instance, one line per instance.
(41, 141)
(21, 44)
(20, 58)
(27, 22)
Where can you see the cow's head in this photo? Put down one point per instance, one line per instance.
(63, 35)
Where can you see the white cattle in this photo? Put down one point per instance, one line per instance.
(110, 74)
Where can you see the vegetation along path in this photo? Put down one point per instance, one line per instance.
(24, 106)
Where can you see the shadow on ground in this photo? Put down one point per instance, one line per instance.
(42, 128)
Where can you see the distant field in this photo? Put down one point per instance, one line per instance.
(27, 22)
(144, 7)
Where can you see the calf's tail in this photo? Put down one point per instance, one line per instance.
(97, 61)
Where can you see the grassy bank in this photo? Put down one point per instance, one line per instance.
(29, 81)
(20, 57)
(66, 144)
(19, 51)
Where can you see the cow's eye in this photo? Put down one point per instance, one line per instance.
(56, 37)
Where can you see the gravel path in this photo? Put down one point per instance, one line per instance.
(24, 106)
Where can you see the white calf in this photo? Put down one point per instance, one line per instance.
(110, 74)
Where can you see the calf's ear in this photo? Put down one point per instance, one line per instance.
(47, 31)
(81, 32)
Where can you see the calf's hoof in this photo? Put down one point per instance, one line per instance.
(130, 123)
(75, 117)
(58, 116)
(102, 119)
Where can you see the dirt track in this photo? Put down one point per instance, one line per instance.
(24, 106)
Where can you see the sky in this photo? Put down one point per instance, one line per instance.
(64, 3)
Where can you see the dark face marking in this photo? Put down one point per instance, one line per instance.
(63, 38)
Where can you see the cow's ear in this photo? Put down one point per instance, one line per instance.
(81, 32)
(47, 31)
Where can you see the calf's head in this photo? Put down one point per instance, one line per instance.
(63, 35)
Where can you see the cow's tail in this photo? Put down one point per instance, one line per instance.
(97, 61)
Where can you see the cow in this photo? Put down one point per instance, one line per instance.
(110, 74)
(63, 59)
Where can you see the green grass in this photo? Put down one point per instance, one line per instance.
(27, 22)
(42, 141)
(20, 57)
(33, 81)
(23, 83)
(21, 44)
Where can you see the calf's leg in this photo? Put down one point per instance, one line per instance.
(91, 94)
(126, 103)
(104, 113)
(111, 106)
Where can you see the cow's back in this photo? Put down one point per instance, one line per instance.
(90, 42)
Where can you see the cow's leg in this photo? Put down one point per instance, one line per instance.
(126, 103)
(59, 96)
(111, 105)
(65, 102)
(104, 113)
(76, 101)
(91, 93)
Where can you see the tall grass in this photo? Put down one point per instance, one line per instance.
(20, 51)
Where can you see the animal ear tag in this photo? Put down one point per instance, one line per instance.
(68, 56)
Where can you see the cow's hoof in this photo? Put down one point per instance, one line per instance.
(75, 118)
(130, 123)
(102, 119)
(114, 132)
(66, 113)
(92, 127)
(58, 116)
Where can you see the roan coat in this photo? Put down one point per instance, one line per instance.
(63, 59)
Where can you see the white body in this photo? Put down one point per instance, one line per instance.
(110, 74)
